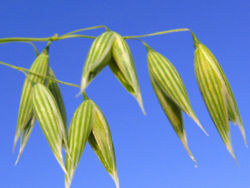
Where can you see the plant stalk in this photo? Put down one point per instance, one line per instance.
(24, 70)
(157, 33)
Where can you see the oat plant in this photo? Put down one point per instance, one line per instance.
(41, 98)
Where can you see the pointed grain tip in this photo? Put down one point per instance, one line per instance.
(68, 182)
(204, 131)
(19, 155)
(17, 160)
(243, 133)
(79, 93)
(143, 110)
(192, 157)
(245, 142)
(84, 84)
(201, 127)
(117, 184)
(184, 142)
(237, 163)
(67, 185)
(140, 102)
(61, 163)
(230, 149)
(116, 180)
(194, 160)
(82, 88)
(14, 145)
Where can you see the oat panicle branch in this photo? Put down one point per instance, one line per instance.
(42, 99)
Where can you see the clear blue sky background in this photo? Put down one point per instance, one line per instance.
(148, 151)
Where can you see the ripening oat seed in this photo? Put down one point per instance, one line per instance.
(26, 118)
(216, 93)
(43, 101)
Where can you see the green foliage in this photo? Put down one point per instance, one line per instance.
(42, 99)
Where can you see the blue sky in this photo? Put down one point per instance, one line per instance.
(148, 151)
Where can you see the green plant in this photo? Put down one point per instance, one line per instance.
(42, 100)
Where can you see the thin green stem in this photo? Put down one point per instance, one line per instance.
(33, 45)
(72, 35)
(144, 43)
(157, 33)
(85, 96)
(21, 39)
(24, 70)
(88, 28)
(75, 36)
(12, 66)
(53, 38)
